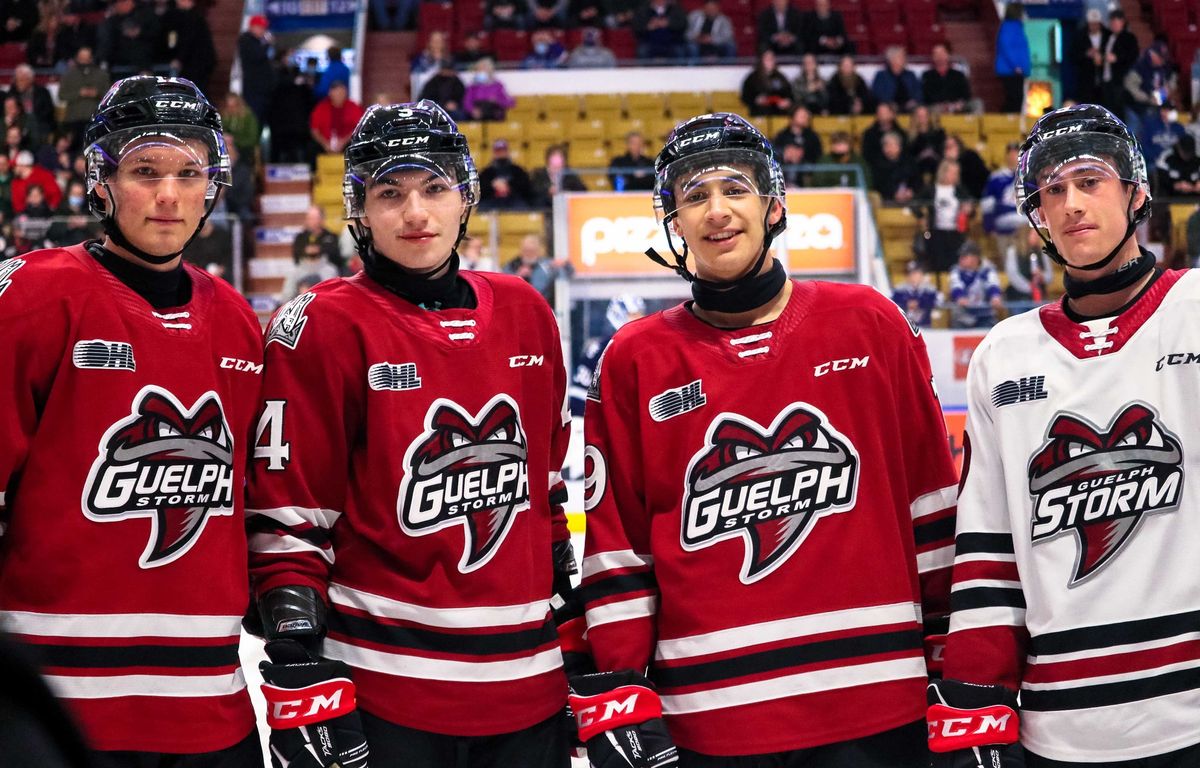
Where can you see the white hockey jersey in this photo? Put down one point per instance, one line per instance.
(1075, 576)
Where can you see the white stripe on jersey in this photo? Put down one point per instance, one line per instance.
(796, 685)
(942, 557)
(1108, 730)
(282, 542)
(119, 625)
(296, 516)
(611, 561)
(159, 686)
(934, 501)
(407, 665)
(785, 629)
(993, 583)
(994, 616)
(475, 617)
(986, 557)
(610, 613)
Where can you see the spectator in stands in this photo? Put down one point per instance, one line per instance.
(435, 55)
(6, 180)
(503, 184)
(34, 220)
(1087, 52)
(871, 140)
(544, 14)
(894, 176)
(73, 221)
(56, 156)
(710, 33)
(334, 118)
(79, 91)
(394, 14)
(943, 86)
(926, 141)
(14, 143)
(591, 53)
(621, 13)
(825, 31)
(240, 123)
(841, 153)
(448, 90)
(1119, 55)
(486, 97)
(51, 44)
(473, 49)
(848, 92)
(258, 74)
(15, 118)
(534, 267)
(1012, 57)
(633, 170)
(798, 143)
(504, 14)
(547, 52)
(19, 19)
(1160, 131)
(1028, 268)
(895, 83)
(974, 289)
(554, 177)
(809, 88)
(35, 101)
(659, 26)
(189, 43)
(471, 256)
(336, 70)
(587, 13)
(291, 103)
(915, 296)
(1178, 169)
(26, 174)
(766, 90)
(945, 219)
(998, 205)
(315, 251)
(1149, 84)
(128, 39)
(974, 172)
(238, 200)
(781, 28)
(212, 250)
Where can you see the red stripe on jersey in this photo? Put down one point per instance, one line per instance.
(1113, 663)
(993, 570)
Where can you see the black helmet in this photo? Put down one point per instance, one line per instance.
(715, 142)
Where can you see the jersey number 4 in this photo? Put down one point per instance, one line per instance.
(270, 426)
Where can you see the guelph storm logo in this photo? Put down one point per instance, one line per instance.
(166, 462)
(768, 486)
(469, 471)
(1099, 483)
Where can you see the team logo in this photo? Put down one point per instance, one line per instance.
(677, 401)
(466, 470)
(393, 377)
(768, 486)
(6, 272)
(1023, 390)
(100, 354)
(1100, 483)
(289, 322)
(166, 462)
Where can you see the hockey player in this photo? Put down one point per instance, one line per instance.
(778, 601)
(130, 386)
(1073, 575)
(405, 495)
(620, 310)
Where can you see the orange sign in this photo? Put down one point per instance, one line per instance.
(956, 424)
(964, 347)
(608, 233)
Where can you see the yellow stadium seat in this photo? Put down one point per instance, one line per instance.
(617, 131)
(777, 123)
(559, 106)
(511, 129)
(725, 101)
(903, 121)
(535, 155)
(1000, 123)
(860, 123)
(602, 102)
(551, 131)
(966, 127)
(585, 129)
(597, 182)
(474, 133)
(897, 250)
(589, 154)
(480, 225)
(645, 105)
(327, 194)
(657, 130)
(605, 115)
(681, 106)
(830, 124)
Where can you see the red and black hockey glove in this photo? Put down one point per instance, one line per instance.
(620, 720)
(973, 726)
(311, 710)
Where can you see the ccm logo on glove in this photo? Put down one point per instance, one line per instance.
(951, 729)
(295, 707)
(624, 706)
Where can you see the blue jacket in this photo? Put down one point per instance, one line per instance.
(1012, 49)
(337, 71)
(885, 86)
(999, 204)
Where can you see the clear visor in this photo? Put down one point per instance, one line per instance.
(1100, 156)
(1085, 174)
(729, 174)
(187, 155)
(436, 180)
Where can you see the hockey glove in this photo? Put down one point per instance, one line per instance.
(973, 726)
(311, 710)
(620, 720)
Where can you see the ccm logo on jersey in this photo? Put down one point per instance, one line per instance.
(525, 361)
(847, 364)
(1098, 483)
(292, 708)
(237, 364)
(1177, 358)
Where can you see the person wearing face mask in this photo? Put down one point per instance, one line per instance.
(486, 98)
(446, 89)
(734, 463)
(73, 222)
(547, 52)
(591, 53)
(405, 501)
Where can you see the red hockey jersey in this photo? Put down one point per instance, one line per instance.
(123, 443)
(770, 513)
(404, 467)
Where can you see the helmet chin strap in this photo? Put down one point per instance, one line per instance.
(109, 222)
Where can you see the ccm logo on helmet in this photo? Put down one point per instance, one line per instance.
(697, 139)
(175, 104)
(1076, 128)
(408, 141)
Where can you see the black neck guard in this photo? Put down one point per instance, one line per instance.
(172, 288)
(1127, 275)
(446, 291)
(743, 295)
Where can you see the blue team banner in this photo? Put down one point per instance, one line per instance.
(288, 15)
